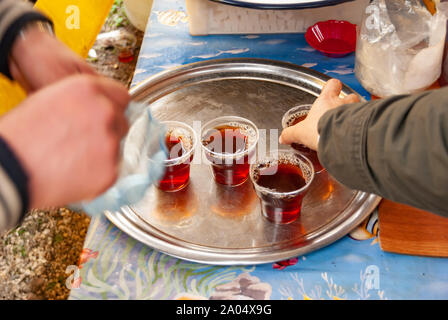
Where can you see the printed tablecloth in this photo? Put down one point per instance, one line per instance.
(115, 266)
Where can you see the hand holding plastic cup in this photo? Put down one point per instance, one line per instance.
(180, 141)
(293, 117)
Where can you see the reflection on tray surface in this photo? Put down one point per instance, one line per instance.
(322, 187)
(175, 207)
(234, 202)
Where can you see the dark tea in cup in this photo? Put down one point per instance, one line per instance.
(281, 181)
(228, 143)
(180, 141)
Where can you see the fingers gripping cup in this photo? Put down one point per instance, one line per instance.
(281, 180)
(229, 143)
(293, 117)
(180, 141)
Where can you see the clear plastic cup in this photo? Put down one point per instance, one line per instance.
(281, 180)
(181, 141)
(229, 143)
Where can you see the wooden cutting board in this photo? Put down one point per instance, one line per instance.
(406, 230)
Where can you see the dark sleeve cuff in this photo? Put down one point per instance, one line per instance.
(16, 173)
(11, 34)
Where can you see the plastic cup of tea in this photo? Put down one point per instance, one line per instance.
(181, 141)
(293, 117)
(281, 180)
(229, 143)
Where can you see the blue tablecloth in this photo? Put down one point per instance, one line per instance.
(115, 266)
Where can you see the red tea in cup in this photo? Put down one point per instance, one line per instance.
(228, 143)
(180, 141)
(281, 181)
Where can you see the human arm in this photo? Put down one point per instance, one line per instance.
(396, 148)
(65, 144)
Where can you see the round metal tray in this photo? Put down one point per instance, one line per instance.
(219, 225)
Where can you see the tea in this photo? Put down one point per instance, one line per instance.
(231, 137)
(288, 178)
(175, 146)
(228, 147)
(179, 141)
(281, 182)
(296, 118)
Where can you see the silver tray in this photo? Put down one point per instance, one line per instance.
(212, 224)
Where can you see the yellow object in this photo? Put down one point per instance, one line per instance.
(431, 6)
(11, 94)
(77, 24)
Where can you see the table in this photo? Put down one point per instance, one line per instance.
(115, 266)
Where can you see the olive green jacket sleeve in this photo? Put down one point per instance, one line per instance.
(396, 148)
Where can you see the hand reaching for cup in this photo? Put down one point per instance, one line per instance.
(306, 131)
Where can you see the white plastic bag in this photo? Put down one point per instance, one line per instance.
(400, 47)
